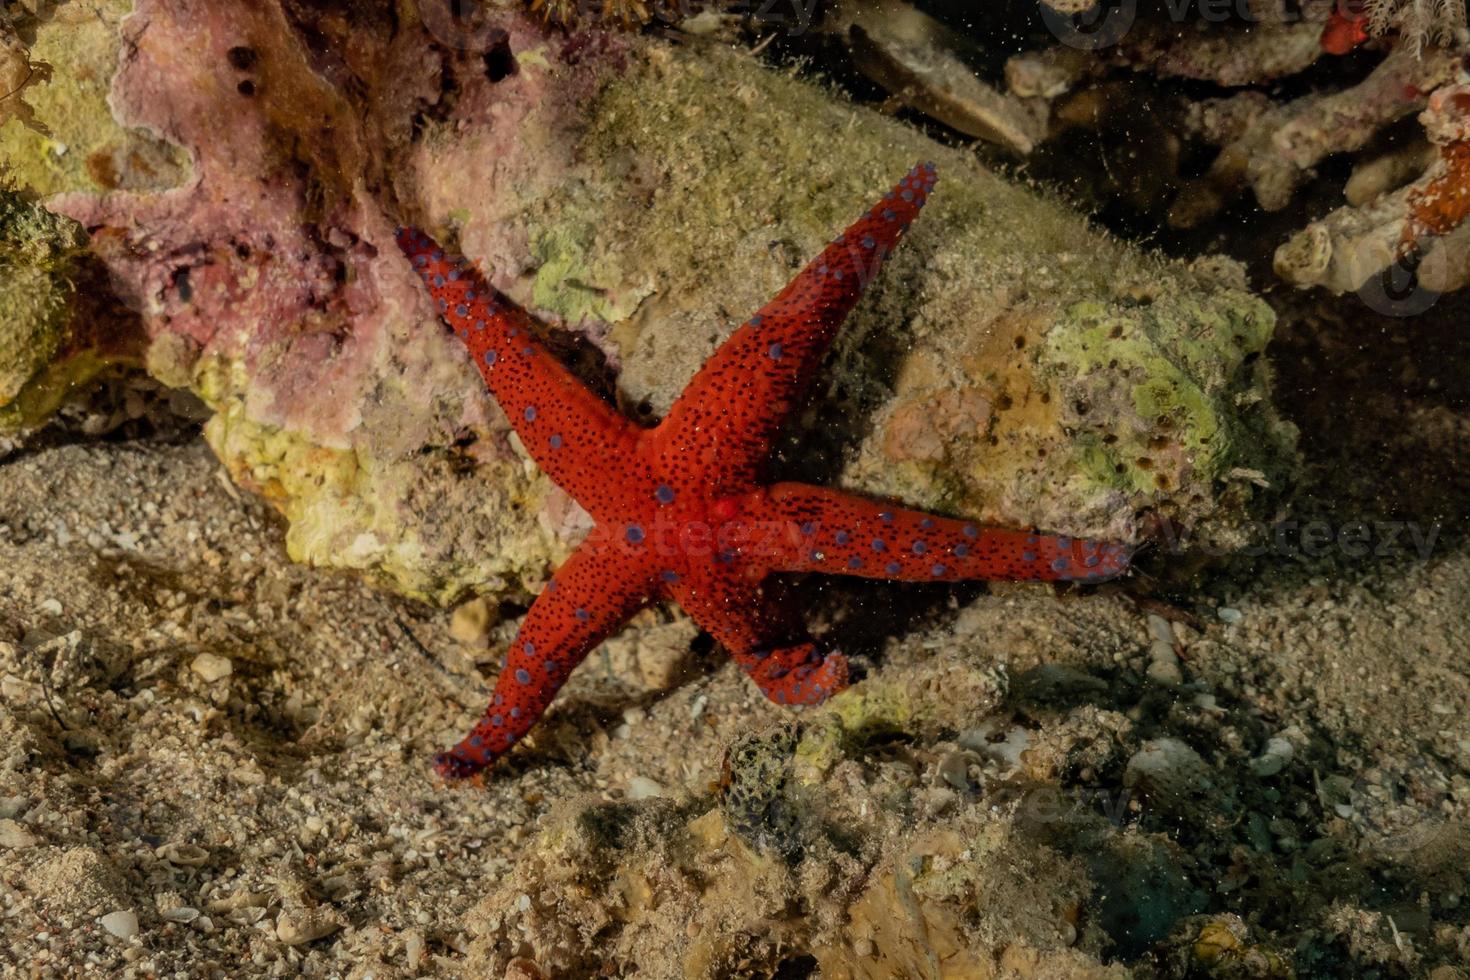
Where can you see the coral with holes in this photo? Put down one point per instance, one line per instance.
(757, 792)
(260, 287)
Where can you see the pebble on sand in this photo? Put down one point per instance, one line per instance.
(14, 836)
(1163, 665)
(1274, 758)
(212, 667)
(643, 788)
(303, 927)
(472, 622)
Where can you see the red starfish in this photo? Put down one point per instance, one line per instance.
(683, 510)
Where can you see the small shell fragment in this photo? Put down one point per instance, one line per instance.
(183, 855)
(14, 836)
(212, 667)
(123, 924)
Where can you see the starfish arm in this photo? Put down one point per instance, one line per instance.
(591, 595)
(749, 620)
(571, 433)
(732, 410)
(824, 530)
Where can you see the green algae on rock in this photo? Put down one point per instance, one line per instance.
(1015, 364)
(43, 348)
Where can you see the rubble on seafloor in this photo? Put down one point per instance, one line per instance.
(1271, 136)
(1421, 222)
(943, 812)
(240, 210)
(210, 754)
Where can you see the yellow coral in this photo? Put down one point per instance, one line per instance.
(1222, 944)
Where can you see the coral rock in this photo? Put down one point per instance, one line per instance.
(593, 180)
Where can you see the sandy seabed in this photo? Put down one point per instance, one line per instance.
(213, 762)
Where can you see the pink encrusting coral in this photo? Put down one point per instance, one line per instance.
(263, 284)
(266, 257)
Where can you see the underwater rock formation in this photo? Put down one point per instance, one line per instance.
(1013, 365)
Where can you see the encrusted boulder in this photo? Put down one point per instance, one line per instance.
(1011, 363)
(54, 335)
